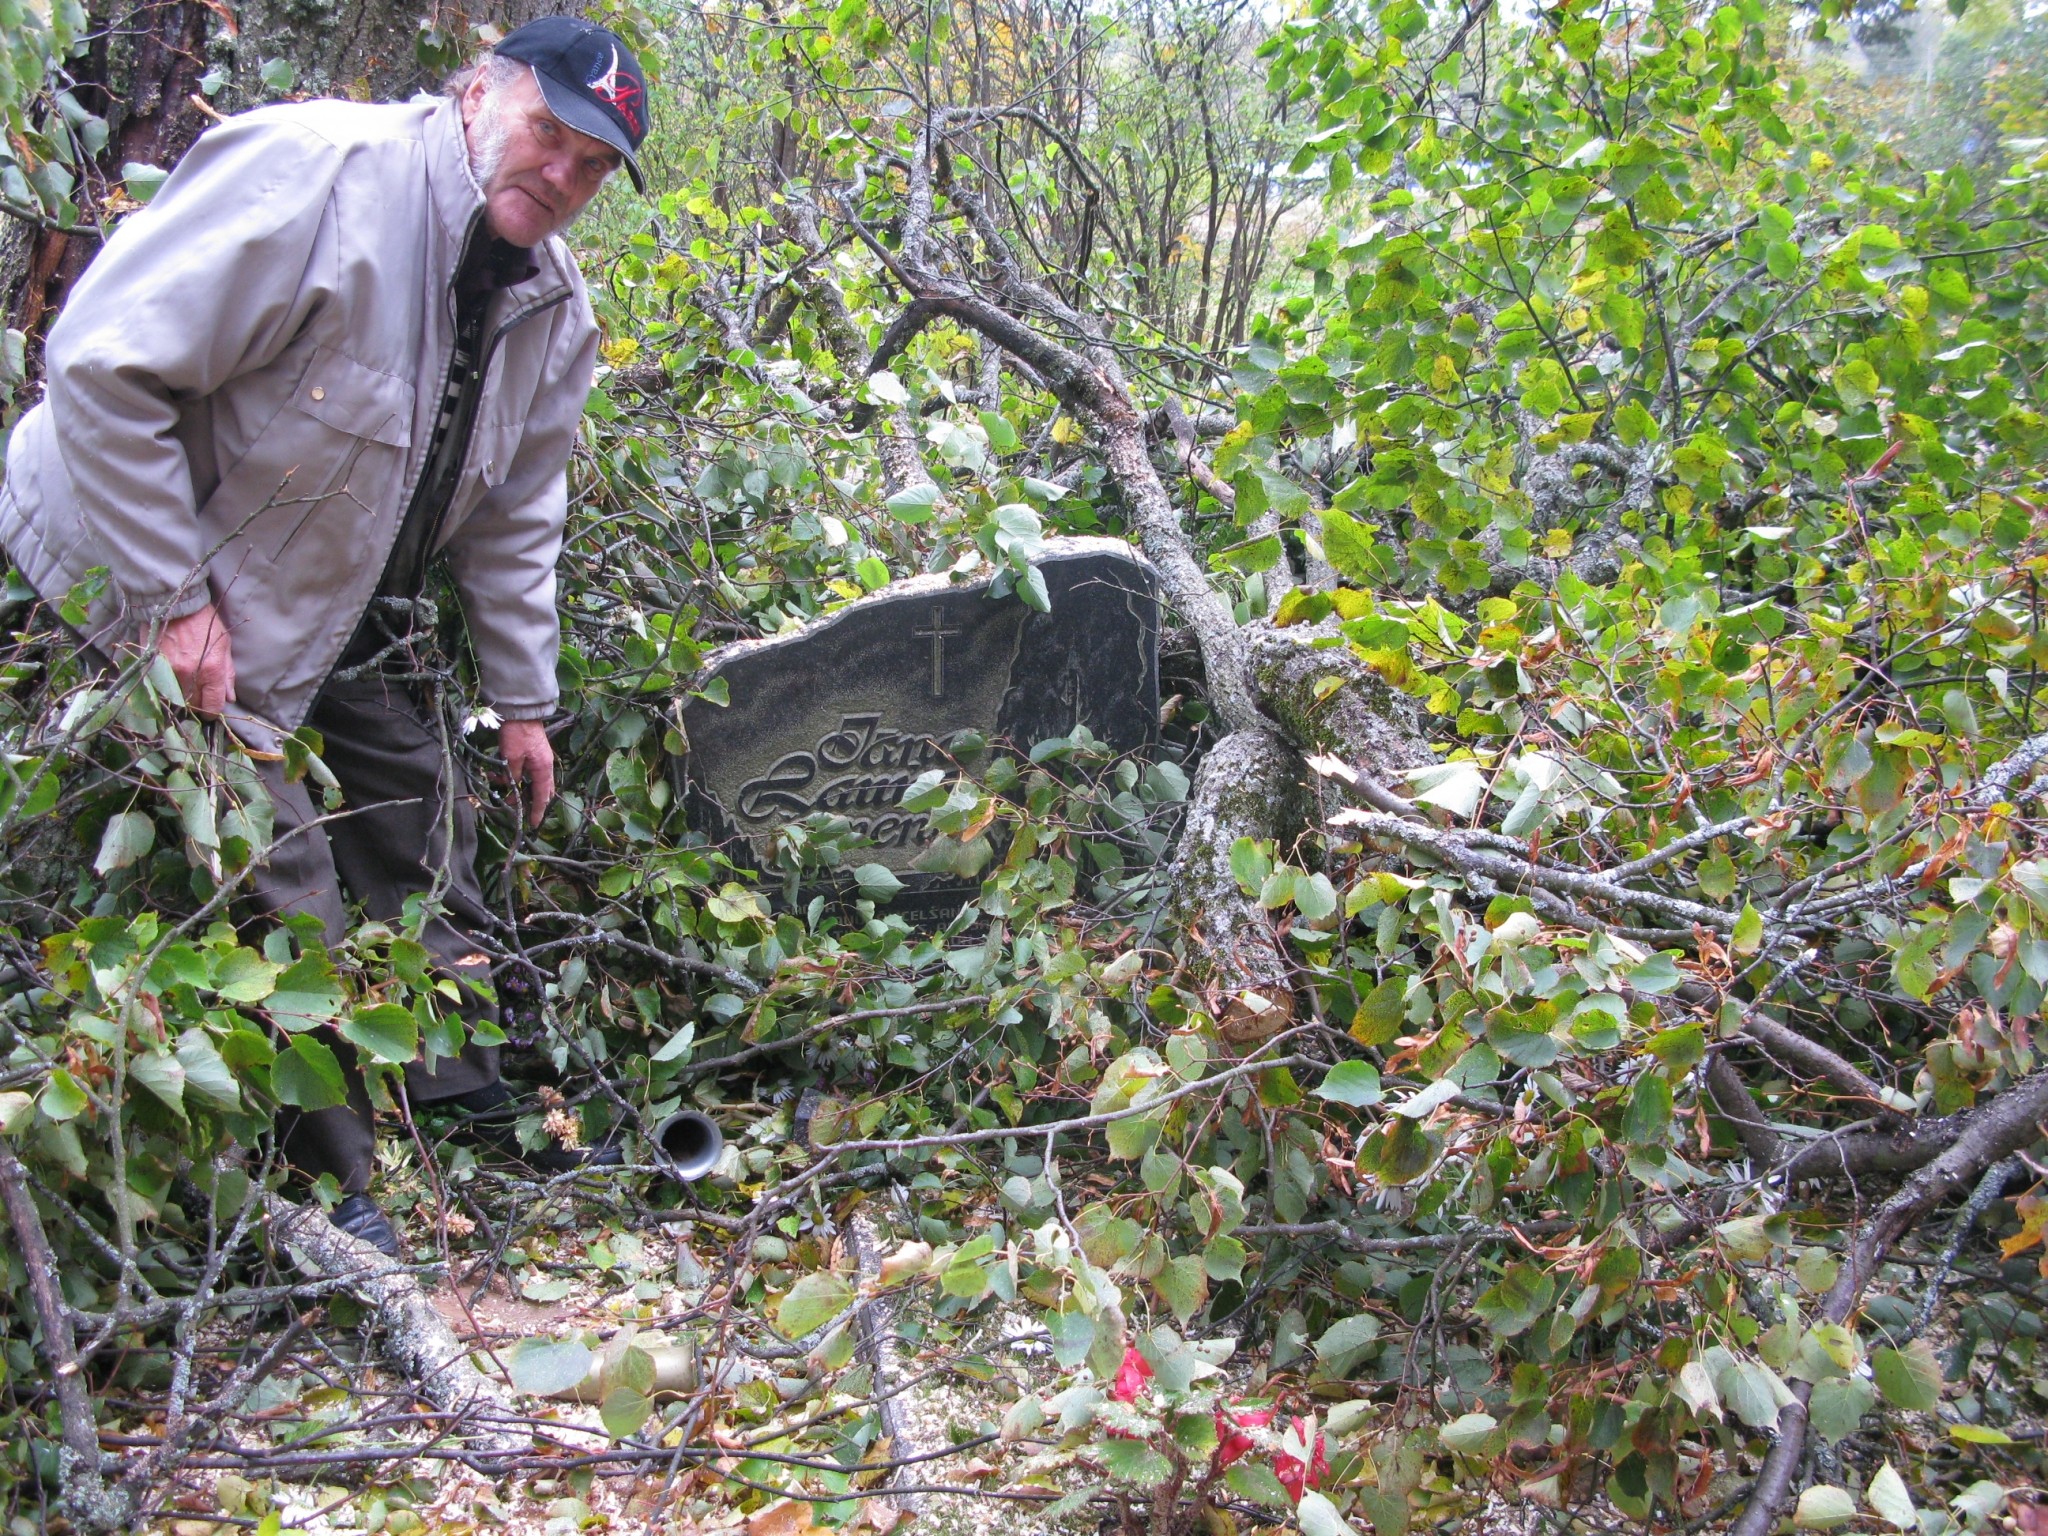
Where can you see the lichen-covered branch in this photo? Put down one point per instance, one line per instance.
(416, 1341)
(1365, 721)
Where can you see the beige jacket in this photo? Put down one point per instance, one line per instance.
(241, 392)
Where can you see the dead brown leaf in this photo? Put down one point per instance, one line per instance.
(785, 1517)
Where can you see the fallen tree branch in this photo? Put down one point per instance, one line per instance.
(1988, 1135)
(1518, 874)
(91, 1504)
(1781, 1040)
(1999, 778)
(417, 1342)
(1731, 1097)
(1373, 728)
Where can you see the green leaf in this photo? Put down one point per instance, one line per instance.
(1001, 435)
(1344, 1342)
(1356, 1083)
(307, 993)
(1350, 549)
(877, 882)
(306, 1075)
(1428, 1100)
(1279, 888)
(1314, 897)
(1183, 1284)
(1979, 1434)
(1031, 588)
(1457, 787)
(812, 1302)
(1748, 936)
(244, 976)
(1517, 1300)
(1399, 1152)
(1382, 1015)
(1224, 1257)
(1470, 1434)
(1717, 877)
(1657, 974)
(1132, 1136)
(1133, 1462)
(1649, 1111)
(623, 1411)
(1822, 1507)
(1754, 1393)
(1909, 1378)
(206, 1075)
(129, 836)
(1249, 864)
(62, 1099)
(1695, 1387)
(1856, 382)
(544, 1367)
(914, 503)
(1838, 1406)
(1752, 1238)
(163, 1075)
(1319, 1517)
(1889, 1500)
(142, 181)
(384, 1032)
(1073, 1335)
(1250, 1480)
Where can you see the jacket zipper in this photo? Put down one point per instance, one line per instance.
(483, 369)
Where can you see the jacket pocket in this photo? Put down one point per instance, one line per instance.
(355, 398)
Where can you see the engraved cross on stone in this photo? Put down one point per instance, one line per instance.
(938, 635)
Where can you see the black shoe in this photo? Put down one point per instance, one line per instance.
(489, 1119)
(358, 1216)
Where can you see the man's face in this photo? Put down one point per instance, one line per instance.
(537, 172)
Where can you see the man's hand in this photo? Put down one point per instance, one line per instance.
(531, 761)
(196, 646)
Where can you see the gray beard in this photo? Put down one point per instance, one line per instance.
(487, 138)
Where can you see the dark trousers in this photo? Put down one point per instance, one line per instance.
(397, 836)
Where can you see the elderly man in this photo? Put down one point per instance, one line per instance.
(344, 340)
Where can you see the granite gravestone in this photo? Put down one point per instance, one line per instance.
(840, 717)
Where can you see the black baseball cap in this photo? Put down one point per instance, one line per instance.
(589, 79)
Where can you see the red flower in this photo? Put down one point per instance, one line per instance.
(1131, 1376)
(1294, 1477)
(1232, 1443)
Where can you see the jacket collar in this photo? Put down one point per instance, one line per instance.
(458, 199)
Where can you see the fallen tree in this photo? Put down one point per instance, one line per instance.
(1595, 936)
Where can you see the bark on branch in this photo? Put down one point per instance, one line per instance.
(92, 1505)
(417, 1342)
(1987, 1135)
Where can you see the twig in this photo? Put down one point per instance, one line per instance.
(1988, 1189)
(826, 1026)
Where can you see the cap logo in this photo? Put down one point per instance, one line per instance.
(620, 92)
